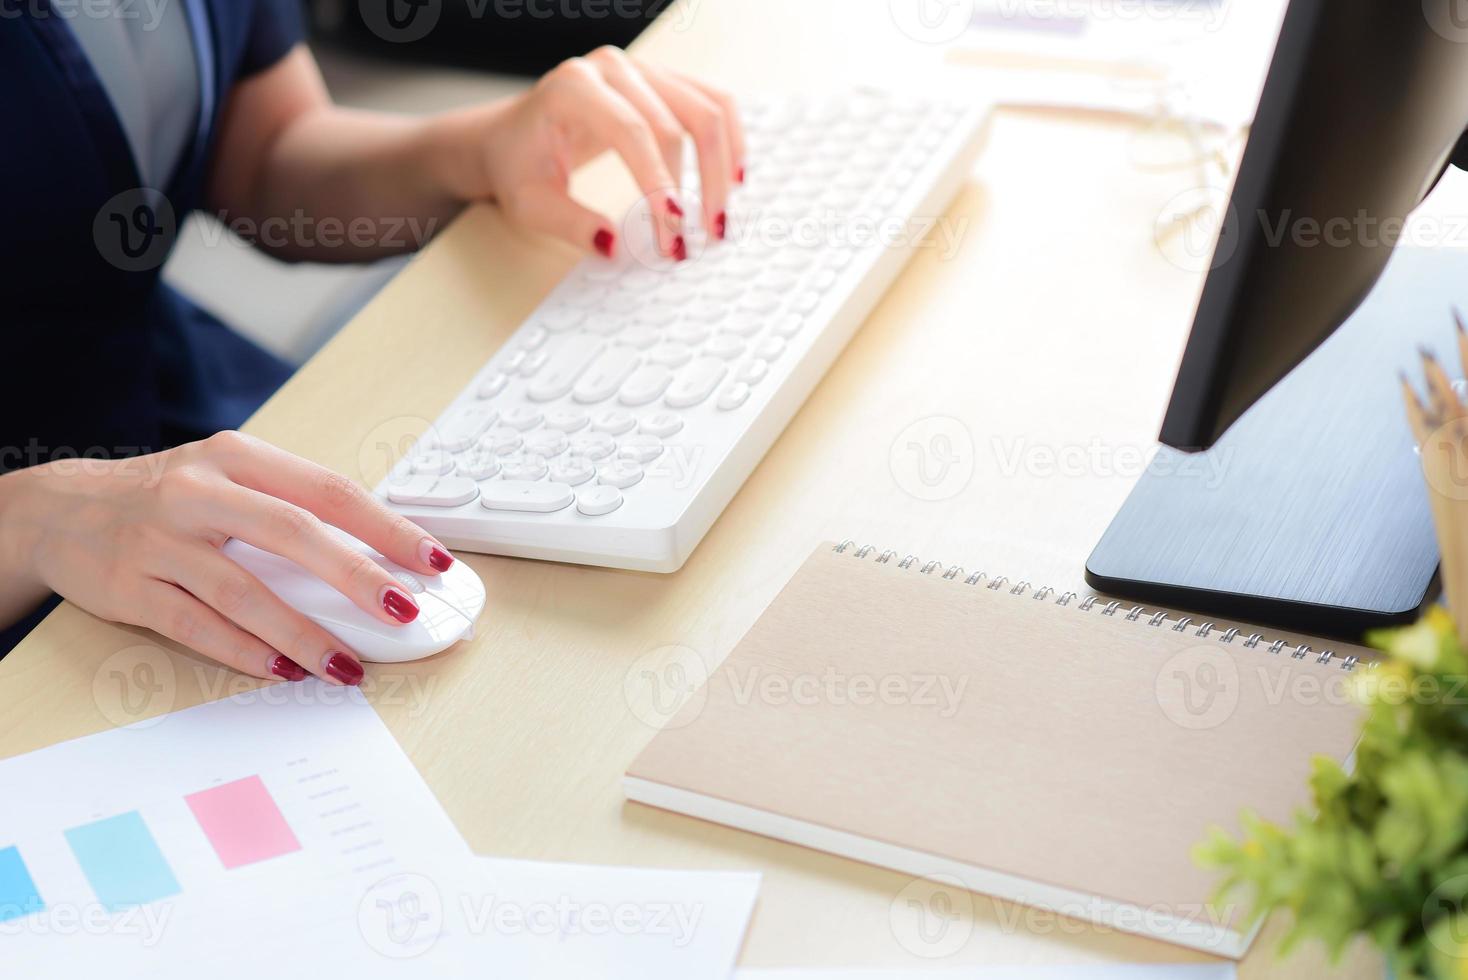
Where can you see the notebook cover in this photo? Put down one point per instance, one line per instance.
(1069, 752)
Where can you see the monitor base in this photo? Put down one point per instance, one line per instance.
(1311, 513)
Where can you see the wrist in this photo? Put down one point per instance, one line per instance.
(20, 535)
(458, 150)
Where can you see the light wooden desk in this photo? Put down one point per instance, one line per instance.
(1069, 323)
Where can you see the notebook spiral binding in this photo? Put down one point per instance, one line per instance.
(1157, 619)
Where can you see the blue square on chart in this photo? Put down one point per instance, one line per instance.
(18, 895)
(122, 861)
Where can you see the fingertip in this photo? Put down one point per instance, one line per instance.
(605, 242)
(342, 668)
(395, 603)
(435, 555)
(286, 668)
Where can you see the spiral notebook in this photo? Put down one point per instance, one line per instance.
(1053, 749)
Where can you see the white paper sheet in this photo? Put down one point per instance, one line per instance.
(284, 834)
(258, 819)
(1149, 971)
(1202, 60)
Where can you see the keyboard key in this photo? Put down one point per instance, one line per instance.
(525, 495)
(614, 421)
(435, 463)
(660, 424)
(624, 303)
(532, 362)
(723, 288)
(726, 346)
(744, 324)
(778, 280)
(788, 325)
(696, 382)
(593, 445)
(689, 333)
(705, 311)
(603, 271)
(671, 355)
(639, 336)
(769, 348)
(558, 319)
(546, 442)
(533, 337)
(572, 470)
(523, 466)
(462, 427)
(492, 385)
(675, 293)
(500, 440)
(759, 301)
(567, 362)
(620, 473)
(598, 500)
(433, 491)
(805, 302)
(478, 465)
(586, 298)
(657, 314)
(646, 384)
(795, 259)
(566, 419)
(604, 325)
(606, 374)
(641, 448)
(640, 281)
(733, 396)
(752, 371)
(839, 257)
(520, 417)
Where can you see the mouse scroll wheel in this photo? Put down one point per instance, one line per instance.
(409, 580)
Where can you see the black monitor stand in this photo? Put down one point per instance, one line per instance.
(1311, 513)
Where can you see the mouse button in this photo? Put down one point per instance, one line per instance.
(462, 589)
(408, 580)
(442, 619)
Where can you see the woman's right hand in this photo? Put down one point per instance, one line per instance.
(137, 541)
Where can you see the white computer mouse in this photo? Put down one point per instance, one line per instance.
(449, 603)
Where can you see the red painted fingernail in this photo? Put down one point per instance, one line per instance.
(399, 606)
(739, 175)
(673, 208)
(680, 249)
(721, 221)
(603, 240)
(433, 556)
(283, 666)
(343, 668)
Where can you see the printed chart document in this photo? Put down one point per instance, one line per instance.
(260, 820)
(283, 833)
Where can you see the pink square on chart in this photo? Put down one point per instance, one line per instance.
(242, 821)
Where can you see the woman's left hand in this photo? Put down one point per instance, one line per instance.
(521, 152)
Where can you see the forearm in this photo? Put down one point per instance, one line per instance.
(24, 590)
(305, 179)
(345, 185)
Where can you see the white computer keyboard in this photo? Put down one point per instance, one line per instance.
(628, 409)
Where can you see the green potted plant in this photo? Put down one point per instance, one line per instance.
(1385, 853)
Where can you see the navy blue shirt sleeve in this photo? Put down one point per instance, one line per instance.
(275, 27)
